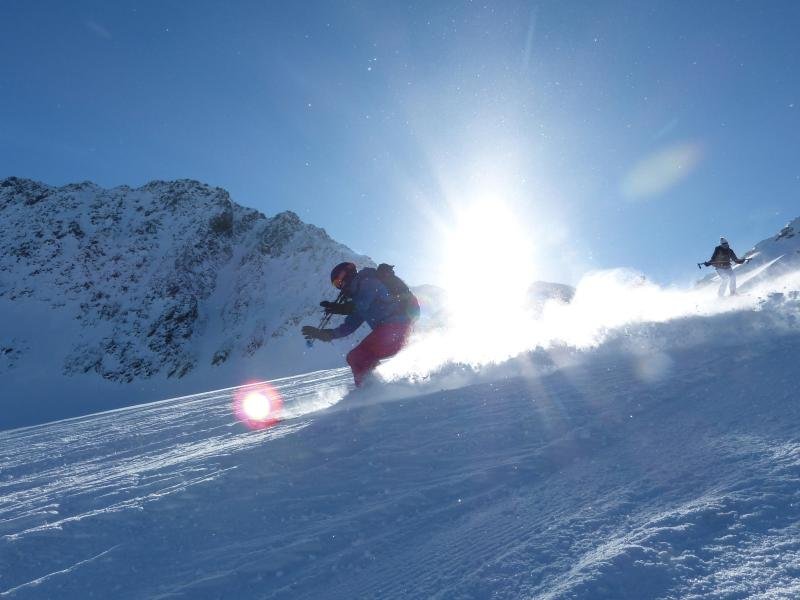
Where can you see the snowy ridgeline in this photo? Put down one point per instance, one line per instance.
(101, 288)
(662, 465)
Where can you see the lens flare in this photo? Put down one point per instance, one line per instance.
(258, 406)
(661, 171)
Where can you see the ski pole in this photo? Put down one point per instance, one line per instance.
(326, 318)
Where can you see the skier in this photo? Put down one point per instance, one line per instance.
(721, 261)
(390, 314)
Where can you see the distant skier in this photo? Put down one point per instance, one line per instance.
(721, 261)
(378, 297)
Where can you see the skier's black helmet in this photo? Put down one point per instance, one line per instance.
(342, 274)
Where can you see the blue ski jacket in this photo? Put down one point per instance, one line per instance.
(372, 303)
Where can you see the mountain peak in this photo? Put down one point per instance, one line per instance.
(169, 278)
(288, 217)
(173, 184)
(792, 228)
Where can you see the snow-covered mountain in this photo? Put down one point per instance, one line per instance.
(169, 280)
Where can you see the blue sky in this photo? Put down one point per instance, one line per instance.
(621, 133)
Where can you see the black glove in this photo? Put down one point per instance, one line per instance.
(312, 333)
(747, 260)
(341, 308)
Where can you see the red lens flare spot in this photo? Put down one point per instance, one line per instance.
(258, 406)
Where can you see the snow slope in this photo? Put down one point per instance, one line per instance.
(603, 473)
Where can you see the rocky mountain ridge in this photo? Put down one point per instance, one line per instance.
(162, 278)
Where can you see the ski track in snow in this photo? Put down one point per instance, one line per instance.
(55, 475)
(61, 572)
(591, 481)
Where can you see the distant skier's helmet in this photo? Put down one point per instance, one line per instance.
(342, 274)
(723, 241)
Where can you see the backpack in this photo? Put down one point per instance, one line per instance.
(399, 290)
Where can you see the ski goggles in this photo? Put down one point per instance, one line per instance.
(338, 281)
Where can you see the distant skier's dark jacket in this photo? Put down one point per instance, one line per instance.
(372, 303)
(722, 257)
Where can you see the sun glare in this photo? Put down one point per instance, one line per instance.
(488, 271)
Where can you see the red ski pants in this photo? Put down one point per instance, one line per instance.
(384, 341)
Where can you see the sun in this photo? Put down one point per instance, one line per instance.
(488, 268)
